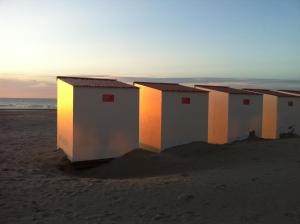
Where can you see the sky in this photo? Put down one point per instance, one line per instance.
(233, 40)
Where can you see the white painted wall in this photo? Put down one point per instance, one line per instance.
(104, 129)
(184, 123)
(65, 117)
(288, 116)
(244, 118)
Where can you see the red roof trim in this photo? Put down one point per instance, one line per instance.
(226, 89)
(76, 77)
(211, 86)
(290, 91)
(94, 82)
(170, 87)
(271, 92)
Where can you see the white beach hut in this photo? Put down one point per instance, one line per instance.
(96, 118)
(171, 114)
(280, 113)
(233, 114)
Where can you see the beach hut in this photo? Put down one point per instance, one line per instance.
(234, 114)
(96, 118)
(171, 115)
(280, 113)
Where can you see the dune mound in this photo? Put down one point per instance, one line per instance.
(142, 163)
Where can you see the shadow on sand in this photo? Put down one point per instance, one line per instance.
(140, 163)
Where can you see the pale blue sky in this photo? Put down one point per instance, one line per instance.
(162, 38)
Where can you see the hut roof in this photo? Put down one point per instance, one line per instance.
(94, 82)
(170, 87)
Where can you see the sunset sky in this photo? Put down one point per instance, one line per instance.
(170, 38)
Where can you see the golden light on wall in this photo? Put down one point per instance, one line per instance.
(65, 116)
(150, 105)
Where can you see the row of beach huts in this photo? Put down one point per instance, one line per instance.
(106, 118)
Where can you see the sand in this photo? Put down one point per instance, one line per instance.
(246, 182)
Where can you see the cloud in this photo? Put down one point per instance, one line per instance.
(40, 85)
(41, 88)
(273, 84)
(15, 88)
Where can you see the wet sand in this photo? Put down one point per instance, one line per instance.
(246, 182)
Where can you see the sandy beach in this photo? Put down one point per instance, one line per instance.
(253, 181)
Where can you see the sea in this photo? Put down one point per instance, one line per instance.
(27, 104)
